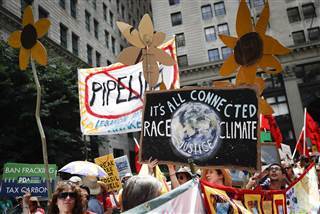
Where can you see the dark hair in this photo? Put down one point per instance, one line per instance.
(78, 207)
(138, 190)
(85, 188)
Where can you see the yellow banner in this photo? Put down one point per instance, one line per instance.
(107, 163)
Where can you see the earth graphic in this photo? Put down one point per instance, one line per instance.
(195, 131)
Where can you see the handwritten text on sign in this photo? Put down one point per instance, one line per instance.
(210, 126)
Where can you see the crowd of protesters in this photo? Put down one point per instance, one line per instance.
(89, 195)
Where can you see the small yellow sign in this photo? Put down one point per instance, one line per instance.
(108, 164)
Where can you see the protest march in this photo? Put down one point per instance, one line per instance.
(197, 149)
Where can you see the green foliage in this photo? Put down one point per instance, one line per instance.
(19, 136)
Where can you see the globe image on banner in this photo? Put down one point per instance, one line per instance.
(195, 131)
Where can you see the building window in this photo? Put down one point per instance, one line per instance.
(62, 4)
(111, 18)
(63, 36)
(98, 56)
(42, 13)
(206, 12)
(180, 40)
(183, 61)
(24, 4)
(75, 44)
(94, 4)
(210, 33)
(121, 47)
(87, 15)
(258, 3)
(226, 52)
(314, 33)
(308, 11)
(96, 28)
(174, 2)
(106, 38)
(113, 45)
(176, 18)
(213, 55)
(298, 37)
(223, 29)
(109, 62)
(104, 12)
(219, 9)
(89, 55)
(117, 153)
(293, 14)
(73, 8)
(123, 11)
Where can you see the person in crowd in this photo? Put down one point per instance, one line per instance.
(126, 177)
(274, 181)
(179, 177)
(17, 209)
(217, 176)
(290, 175)
(31, 205)
(94, 205)
(108, 199)
(138, 190)
(85, 194)
(5, 204)
(66, 199)
(76, 180)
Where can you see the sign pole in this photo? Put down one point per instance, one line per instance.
(42, 134)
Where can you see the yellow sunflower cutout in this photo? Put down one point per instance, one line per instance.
(27, 39)
(252, 49)
(145, 43)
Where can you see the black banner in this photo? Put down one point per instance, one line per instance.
(212, 127)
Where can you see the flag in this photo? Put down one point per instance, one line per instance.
(136, 158)
(300, 145)
(312, 131)
(302, 195)
(264, 123)
(275, 131)
(184, 199)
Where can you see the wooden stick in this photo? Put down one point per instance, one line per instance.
(42, 134)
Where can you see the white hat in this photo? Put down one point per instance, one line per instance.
(92, 183)
(76, 179)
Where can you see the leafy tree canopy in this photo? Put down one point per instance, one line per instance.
(19, 136)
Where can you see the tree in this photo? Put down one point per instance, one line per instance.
(19, 135)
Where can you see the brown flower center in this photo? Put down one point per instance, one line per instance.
(249, 49)
(28, 36)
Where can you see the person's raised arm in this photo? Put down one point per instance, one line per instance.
(173, 177)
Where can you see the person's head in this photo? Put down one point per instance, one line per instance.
(66, 198)
(33, 204)
(138, 190)
(85, 193)
(288, 167)
(276, 173)
(76, 180)
(126, 177)
(92, 183)
(19, 200)
(217, 176)
(183, 175)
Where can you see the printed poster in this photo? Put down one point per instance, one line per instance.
(123, 165)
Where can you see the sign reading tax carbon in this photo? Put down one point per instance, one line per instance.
(213, 127)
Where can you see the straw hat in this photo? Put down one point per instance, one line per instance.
(92, 183)
(184, 169)
(34, 199)
(76, 179)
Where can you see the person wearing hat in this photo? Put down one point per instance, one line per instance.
(217, 176)
(76, 180)
(31, 204)
(274, 181)
(95, 189)
(126, 177)
(179, 177)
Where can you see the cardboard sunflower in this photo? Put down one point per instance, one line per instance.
(27, 39)
(145, 48)
(252, 48)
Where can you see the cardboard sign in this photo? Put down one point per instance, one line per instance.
(212, 127)
(108, 164)
(286, 151)
(111, 98)
(123, 165)
(269, 153)
(20, 178)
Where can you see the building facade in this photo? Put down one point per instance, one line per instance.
(295, 23)
(84, 31)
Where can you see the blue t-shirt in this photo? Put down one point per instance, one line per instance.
(95, 206)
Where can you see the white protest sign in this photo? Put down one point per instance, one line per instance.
(123, 165)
